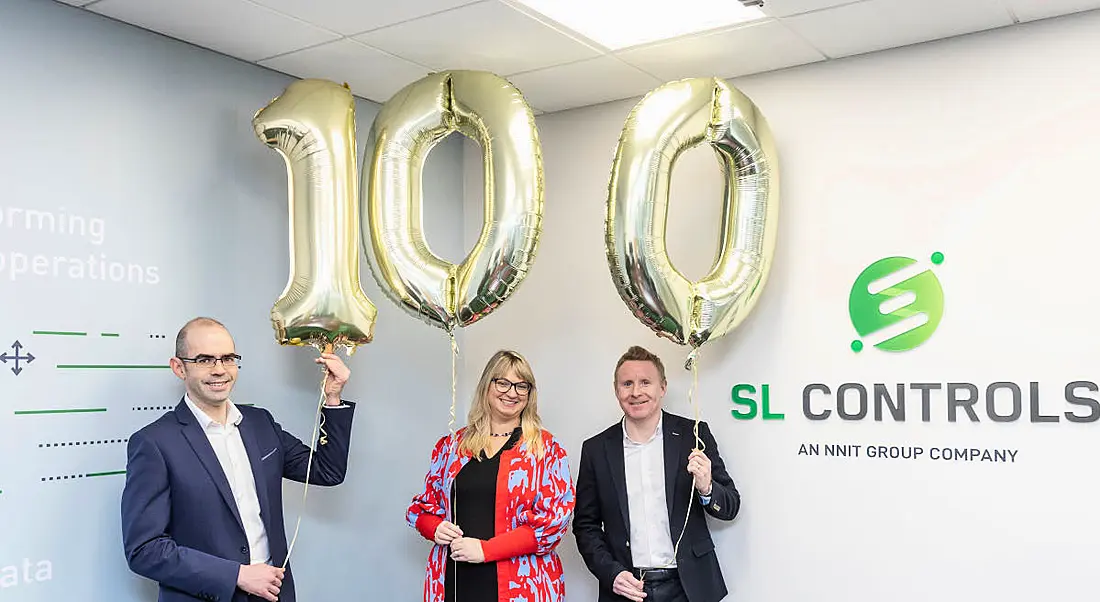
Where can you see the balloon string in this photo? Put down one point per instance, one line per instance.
(693, 365)
(318, 419)
(693, 358)
(454, 382)
(451, 427)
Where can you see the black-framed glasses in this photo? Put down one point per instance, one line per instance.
(503, 385)
(209, 361)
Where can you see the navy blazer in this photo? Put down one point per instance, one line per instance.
(180, 524)
(601, 522)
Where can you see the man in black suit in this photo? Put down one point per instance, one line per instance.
(634, 490)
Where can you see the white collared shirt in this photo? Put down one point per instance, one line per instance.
(229, 448)
(650, 536)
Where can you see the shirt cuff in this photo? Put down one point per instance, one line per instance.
(704, 499)
(427, 524)
(517, 542)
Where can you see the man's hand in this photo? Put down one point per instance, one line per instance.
(261, 580)
(699, 467)
(467, 549)
(447, 532)
(338, 374)
(627, 586)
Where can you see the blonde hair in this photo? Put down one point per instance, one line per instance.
(475, 438)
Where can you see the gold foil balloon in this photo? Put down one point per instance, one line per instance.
(492, 112)
(668, 121)
(312, 125)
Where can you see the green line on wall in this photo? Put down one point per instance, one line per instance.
(105, 474)
(111, 366)
(69, 411)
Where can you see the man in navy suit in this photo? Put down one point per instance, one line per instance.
(202, 510)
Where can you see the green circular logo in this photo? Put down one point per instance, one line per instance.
(865, 307)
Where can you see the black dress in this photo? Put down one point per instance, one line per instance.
(474, 495)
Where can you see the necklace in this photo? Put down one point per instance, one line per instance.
(508, 434)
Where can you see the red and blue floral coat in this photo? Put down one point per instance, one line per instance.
(534, 506)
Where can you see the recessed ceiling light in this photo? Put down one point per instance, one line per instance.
(618, 24)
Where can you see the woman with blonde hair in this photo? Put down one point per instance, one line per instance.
(498, 497)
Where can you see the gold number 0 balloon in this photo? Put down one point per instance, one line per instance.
(312, 125)
(668, 121)
(489, 110)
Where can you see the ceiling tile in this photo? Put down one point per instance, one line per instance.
(235, 27)
(583, 83)
(1031, 10)
(371, 74)
(352, 17)
(786, 8)
(879, 24)
(488, 36)
(753, 48)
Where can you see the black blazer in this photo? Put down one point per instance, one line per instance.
(601, 521)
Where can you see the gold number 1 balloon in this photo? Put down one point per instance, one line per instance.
(489, 110)
(668, 121)
(312, 125)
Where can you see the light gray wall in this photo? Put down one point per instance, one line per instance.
(152, 137)
(982, 147)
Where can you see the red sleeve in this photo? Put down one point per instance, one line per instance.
(427, 511)
(517, 542)
(427, 524)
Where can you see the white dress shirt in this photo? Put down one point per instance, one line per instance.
(229, 448)
(650, 536)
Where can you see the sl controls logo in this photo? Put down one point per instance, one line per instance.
(897, 303)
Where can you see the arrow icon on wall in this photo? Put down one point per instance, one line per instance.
(26, 359)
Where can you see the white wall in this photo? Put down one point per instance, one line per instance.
(153, 137)
(983, 148)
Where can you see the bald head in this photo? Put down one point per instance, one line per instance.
(208, 383)
(201, 322)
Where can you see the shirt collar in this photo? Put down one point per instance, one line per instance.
(233, 415)
(656, 431)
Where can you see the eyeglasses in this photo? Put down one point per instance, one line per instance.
(208, 361)
(503, 385)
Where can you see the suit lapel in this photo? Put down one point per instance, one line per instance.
(617, 462)
(252, 446)
(675, 460)
(201, 445)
